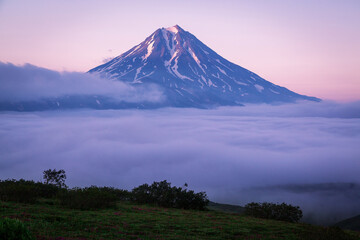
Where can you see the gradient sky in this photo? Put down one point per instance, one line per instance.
(309, 46)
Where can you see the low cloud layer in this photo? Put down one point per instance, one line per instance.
(292, 153)
(28, 82)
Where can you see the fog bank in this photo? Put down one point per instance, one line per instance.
(292, 153)
(31, 83)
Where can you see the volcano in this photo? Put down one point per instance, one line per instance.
(191, 74)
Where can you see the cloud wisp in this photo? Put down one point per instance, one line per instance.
(31, 83)
(289, 153)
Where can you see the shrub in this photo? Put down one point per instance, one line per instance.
(13, 229)
(121, 195)
(87, 198)
(46, 190)
(25, 191)
(162, 194)
(18, 191)
(282, 212)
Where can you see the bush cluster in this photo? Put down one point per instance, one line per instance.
(162, 194)
(282, 212)
(120, 194)
(159, 193)
(88, 198)
(13, 229)
(25, 191)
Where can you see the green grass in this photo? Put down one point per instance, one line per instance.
(46, 220)
(225, 207)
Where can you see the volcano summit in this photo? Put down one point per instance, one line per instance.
(191, 74)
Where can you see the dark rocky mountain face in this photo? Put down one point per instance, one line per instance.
(191, 74)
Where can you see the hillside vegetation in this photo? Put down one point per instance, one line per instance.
(50, 211)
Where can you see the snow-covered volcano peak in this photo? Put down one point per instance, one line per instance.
(174, 29)
(191, 73)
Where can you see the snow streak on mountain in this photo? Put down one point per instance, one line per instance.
(191, 74)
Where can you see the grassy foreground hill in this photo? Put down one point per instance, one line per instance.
(49, 221)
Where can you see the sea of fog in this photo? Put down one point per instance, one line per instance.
(306, 154)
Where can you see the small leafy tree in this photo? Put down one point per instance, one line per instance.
(54, 177)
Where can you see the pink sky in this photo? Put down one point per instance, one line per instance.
(311, 47)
